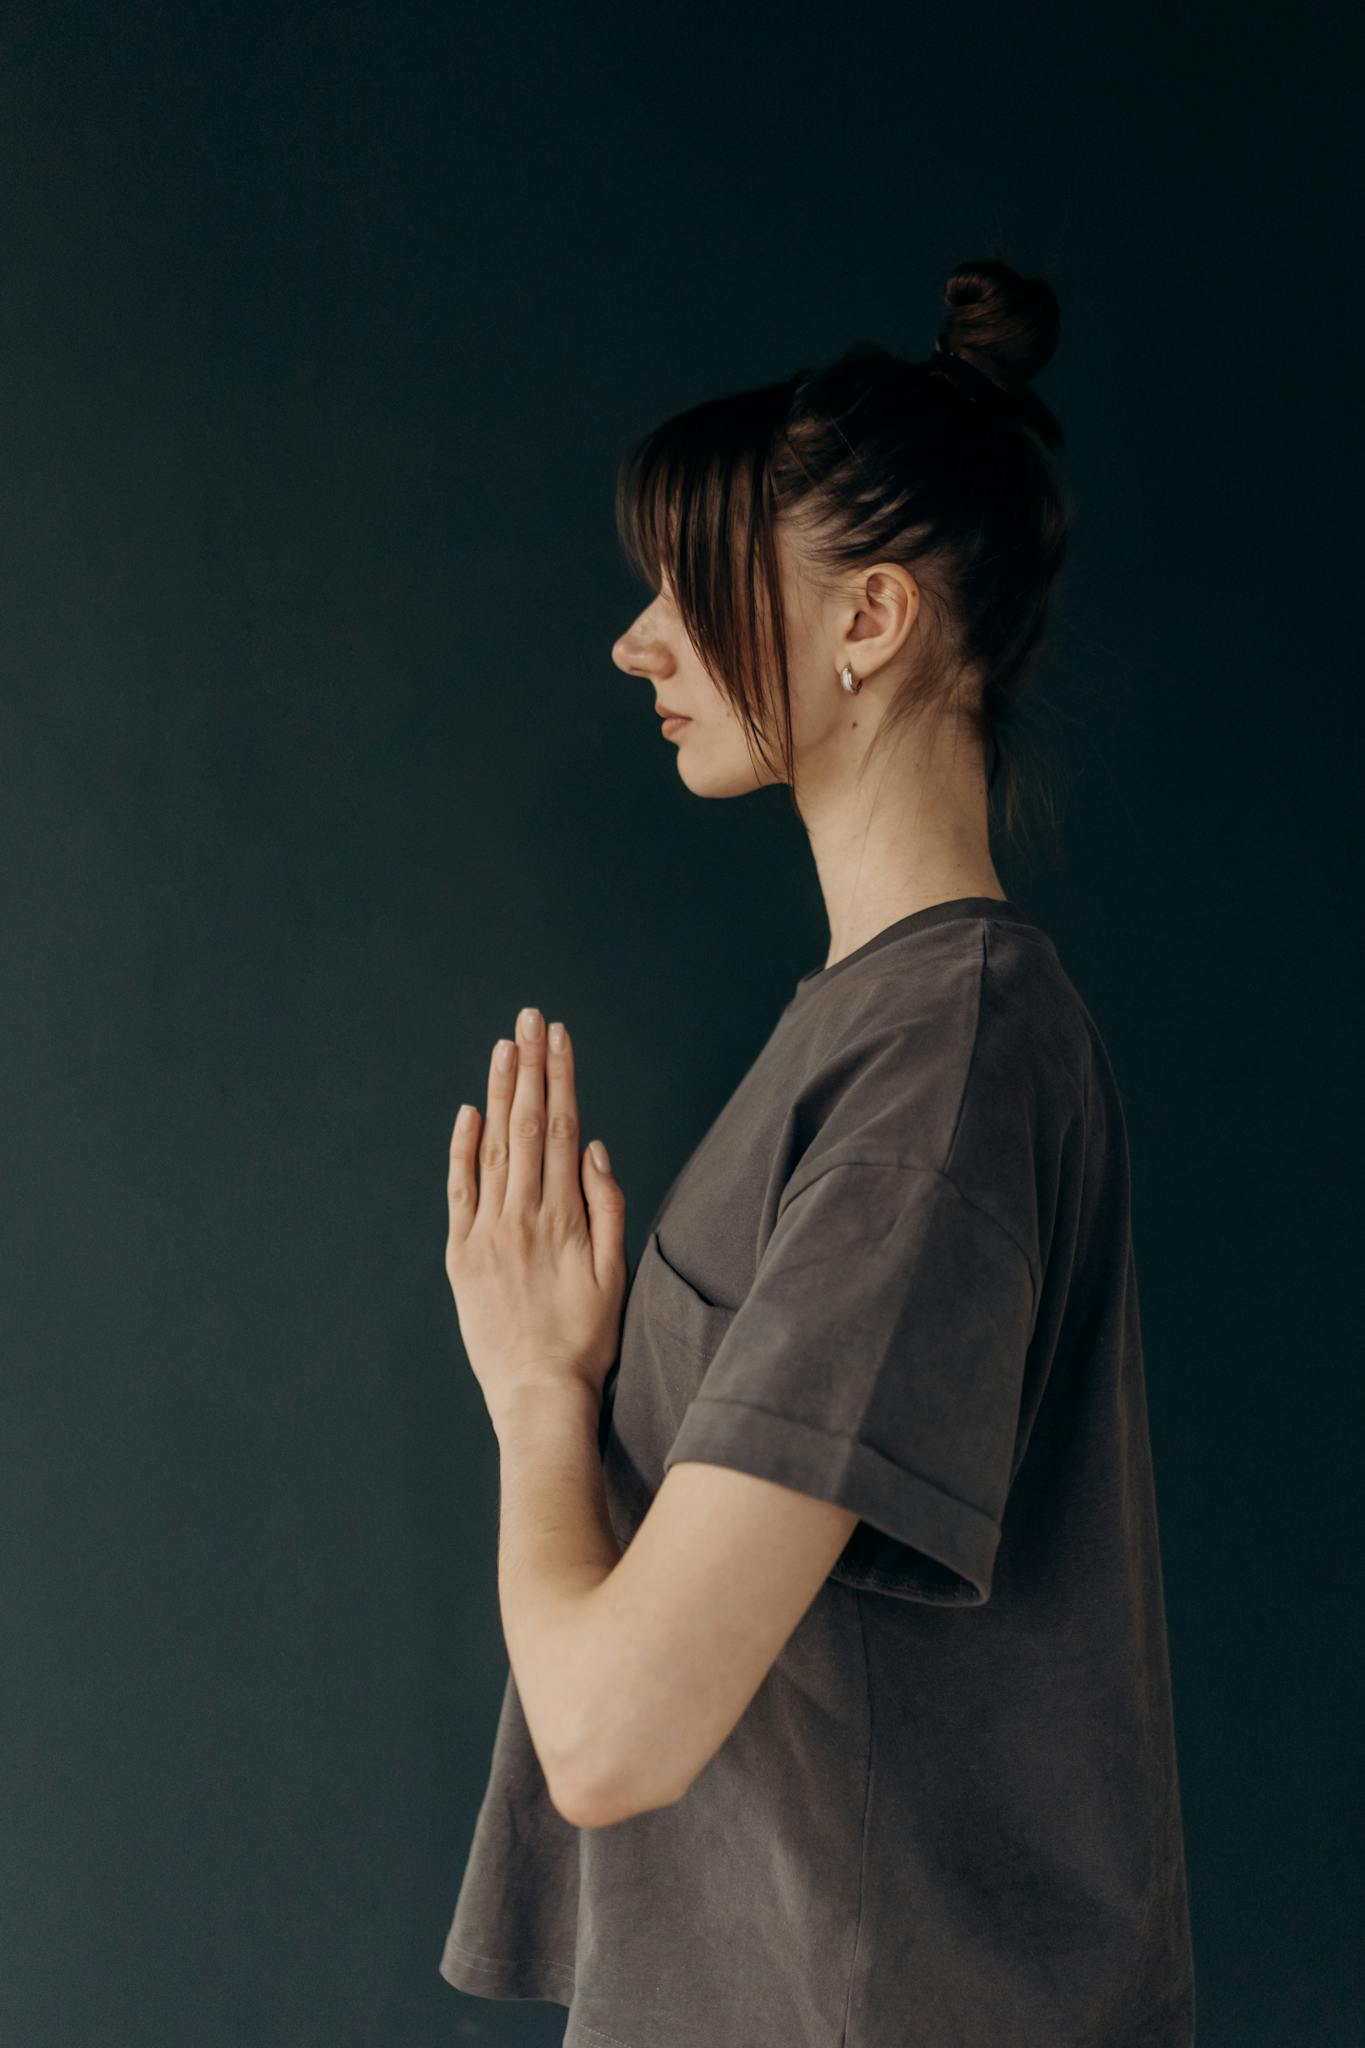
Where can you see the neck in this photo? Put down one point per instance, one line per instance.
(911, 833)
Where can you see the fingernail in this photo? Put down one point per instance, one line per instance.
(556, 1038)
(465, 1118)
(505, 1054)
(599, 1156)
(529, 1020)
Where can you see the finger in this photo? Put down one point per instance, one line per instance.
(526, 1135)
(606, 1200)
(462, 1180)
(493, 1149)
(561, 1191)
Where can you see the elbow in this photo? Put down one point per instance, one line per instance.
(589, 1797)
(583, 1807)
(568, 1796)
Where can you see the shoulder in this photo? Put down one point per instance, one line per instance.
(967, 1051)
(1033, 1028)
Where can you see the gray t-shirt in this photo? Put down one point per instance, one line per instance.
(896, 1273)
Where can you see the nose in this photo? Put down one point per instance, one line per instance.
(639, 652)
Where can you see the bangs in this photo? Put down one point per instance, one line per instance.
(694, 509)
(691, 495)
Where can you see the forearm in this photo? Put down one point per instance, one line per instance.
(555, 1547)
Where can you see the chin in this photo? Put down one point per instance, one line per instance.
(723, 777)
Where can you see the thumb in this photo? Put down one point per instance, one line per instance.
(606, 1207)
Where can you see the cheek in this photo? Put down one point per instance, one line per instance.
(819, 708)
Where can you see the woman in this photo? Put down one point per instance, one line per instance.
(839, 1708)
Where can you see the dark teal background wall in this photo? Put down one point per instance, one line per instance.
(321, 332)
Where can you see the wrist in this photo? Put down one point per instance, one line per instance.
(556, 1403)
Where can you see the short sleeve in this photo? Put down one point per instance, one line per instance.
(877, 1361)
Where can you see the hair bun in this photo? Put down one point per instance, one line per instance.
(1001, 323)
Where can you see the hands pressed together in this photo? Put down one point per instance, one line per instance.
(535, 1253)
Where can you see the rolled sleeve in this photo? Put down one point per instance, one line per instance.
(877, 1362)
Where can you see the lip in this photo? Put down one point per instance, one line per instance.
(664, 712)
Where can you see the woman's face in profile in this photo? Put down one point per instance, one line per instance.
(713, 757)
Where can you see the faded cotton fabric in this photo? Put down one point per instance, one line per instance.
(896, 1273)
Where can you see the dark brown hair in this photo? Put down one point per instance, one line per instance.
(943, 467)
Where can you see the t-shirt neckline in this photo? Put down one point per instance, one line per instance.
(916, 920)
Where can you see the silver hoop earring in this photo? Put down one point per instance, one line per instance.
(846, 677)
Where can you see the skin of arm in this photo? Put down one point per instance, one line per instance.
(633, 1667)
(556, 1546)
